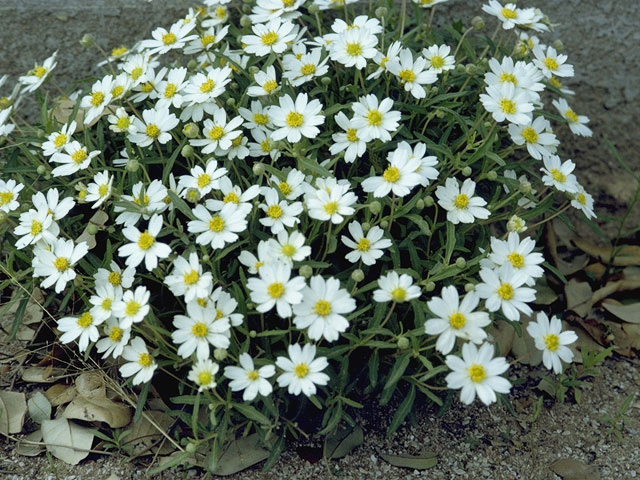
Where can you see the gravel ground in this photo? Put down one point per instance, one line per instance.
(472, 443)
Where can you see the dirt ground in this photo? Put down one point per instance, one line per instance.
(471, 442)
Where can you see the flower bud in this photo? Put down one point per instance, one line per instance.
(434, 90)
(246, 9)
(419, 204)
(191, 447)
(477, 23)
(231, 102)
(440, 113)
(403, 343)
(192, 64)
(306, 271)
(429, 201)
(92, 229)
(220, 354)
(253, 69)
(258, 169)
(87, 40)
(326, 81)
(41, 170)
(187, 151)
(471, 69)
(492, 175)
(41, 133)
(313, 9)
(357, 275)
(461, 262)
(205, 258)
(384, 224)
(466, 171)
(525, 187)
(253, 334)
(558, 45)
(191, 130)
(193, 195)
(516, 224)
(4, 216)
(47, 176)
(460, 68)
(132, 165)
(430, 287)
(366, 226)
(375, 207)
(381, 12)
(469, 287)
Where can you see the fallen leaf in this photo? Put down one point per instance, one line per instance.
(503, 335)
(144, 435)
(579, 297)
(343, 441)
(112, 413)
(13, 409)
(39, 407)
(597, 270)
(417, 462)
(545, 295)
(98, 219)
(584, 341)
(59, 394)
(524, 347)
(241, 454)
(91, 385)
(626, 337)
(41, 374)
(571, 469)
(66, 440)
(28, 449)
(629, 313)
(626, 255)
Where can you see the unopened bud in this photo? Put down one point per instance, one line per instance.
(492, 175)
(132, 165)
(258, 169)
(366, 226)
(193, 195)
(461, 262)
(469, 287)
(253, 69)
(192, 64)
(220, 354)
(466, 171)
(419, 204)
(205, 258)
(41, 170)
(246, 8)
(92, 229)
(471, 69)
(384, 224)
(306, 271)
(375, 207)
(253, 334)
(381, 12)
(313, 9)
(403, 343)
(558, 45)
(460, 68)
(326, 81)
(430, 287)
(231, 102)
(4, 216)
(477, 23)
(191, 447)
(357, 275)
(41, 133)
(86, 41)
(187, 151)
(191, 130)
(429, 201)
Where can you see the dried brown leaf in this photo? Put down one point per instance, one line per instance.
(59, 394)
(571, 469)
(625, 256)
(417, 462)
(66, 440)
(41, 374)
(629, 313)
(26, 445)
(112, 413)
(13, 409)
(144, 436)
(579, 297)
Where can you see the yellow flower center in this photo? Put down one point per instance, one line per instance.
(275, 290)
(437, 61)
(216, 224)
(253, 375)
(285, 188)
(461, 201)
(115, 335)
(236, 142)
(364, 245)
(147, 87)
(374, 118)
(552, 342)
(505, 291)
(221, 12)
(85, 320)
(352, 135)
(106, 304)
(216, 133)
(204, 378)
(274, 211)
(457, 320)
(207, 86)
(288, 3)
(260, 118)
(391, 174)
(530, 135)
(509, 13)
(508, 77)
(308, 69)
(191, 277)
(331, 207)
(170, 90)
(322, 308)
(294, 119)
(114, 279)
(508, 106)
(131, 308)
(407, 75)
(269, 38)
(153, 131)
(571, 115)
(288, 250)
(199, 329)
(558, 176)
(146, 241)
(136, 72)
(516, 259)
(103, 189)
(477, 373)
(39, 71)
(270, 85)
(5, 198)
(117, 91)
(581, 198)
(118, 51)
(219, 314)
(5, 102)
(398, 294)
(551, 63)
(555, 82)
(354, 49)
(231, 197)
(169, 38)
(123, 122)
(79, 156)
(265, 146)
(207, 40)
(301, 370)
(203, 180)
(36, 227)
(61, 264)
(60, 140)
(145, 360)
(202, 302)
(97, 98)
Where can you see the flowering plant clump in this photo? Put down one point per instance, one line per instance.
(313, 204)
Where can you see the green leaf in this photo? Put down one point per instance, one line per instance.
(403, 410)
(251, 413)
(417, 462)
(397, 371)
(181, 205)
(343, 441)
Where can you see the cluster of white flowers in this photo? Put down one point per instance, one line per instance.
(225, 115)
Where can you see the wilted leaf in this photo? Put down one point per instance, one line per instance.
(41, 374)
(114, 414)
(98, 219)
(13, 408)
(343, 441)
(63, 111)
(625, 256)
(597, 270)
(39, 407)
(59, 394)
(28, 449)
(579, 297)
(240, 454)
(629, 313)
(524, 347)
(584, 341)
(503, 335)
(418, 462)
(144, 434)
(91, 385)
(626, 337)
(66, 440)
(570, 469)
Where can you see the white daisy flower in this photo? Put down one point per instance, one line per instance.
(438, 58)
(294, 120)
(367, 248)
(84, 329)
(170, 90)
(156, 126)
(225, 306)
(233, 194)
(120, 86)
(428, 3)
(75, 158)
(165, 40)
(516, 224)
(249, 379)
(263, 145)
(187, 278)
(218, 132)
(121, 122)
(333, 205)
(292, 187)
(522, 75)
(115, 276)
(302, 371)
(132, 307)
(382, 60)
(258, 117)
(413, 74)
(455, 319)
(204, 88)
(552, 341)
(9, 193)
(519, 254)
(34, 226)
(115, 340)
(220, 228)
(583, 201)
(503, 289)
(537, 136)
(305, 68)
(34, 77)
(525, 200)
(137, 66)
(349, 141)
(267, 83)
(206, 40)
(276, 288)
(147, 201)
(56, 265)
(558, 174)
(323, 308)
(140, 365)
(253, 263)
(352, 48)
(198, 331)
(52, 203)
(144, 245)
(103, 301)
(396, 288)
(279, 213)
(551, 63)
(399, 177)
(577, 123)
(56, 141)
(426, 164)
(477, 372)
(506, 102)
(270, 37)
(289, 247)
(459, 202)
(203, 374)
(202, 179)
(97, 100)
(509, 14)
(375, 119)
(99, 190)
